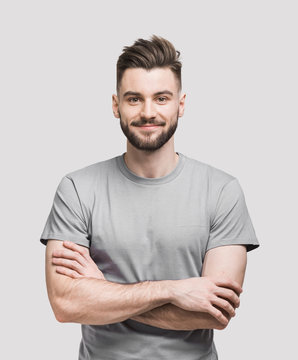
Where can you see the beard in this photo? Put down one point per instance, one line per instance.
(148, 142)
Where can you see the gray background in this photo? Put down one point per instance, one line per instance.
(57, 74)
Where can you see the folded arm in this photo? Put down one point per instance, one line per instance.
(78, 292)
(97, 301)
(172, 317)
(221, 262)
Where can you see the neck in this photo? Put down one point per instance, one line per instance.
(151, 164)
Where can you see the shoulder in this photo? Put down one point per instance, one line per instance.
(214, 176)
(214, 183)
(87, 181)
(91, 173)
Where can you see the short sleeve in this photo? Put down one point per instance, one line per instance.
(66, 220)
(231, 223)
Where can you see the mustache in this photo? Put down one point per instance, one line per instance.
(143, 122)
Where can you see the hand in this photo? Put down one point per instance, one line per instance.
(75, 261)
(218, 297)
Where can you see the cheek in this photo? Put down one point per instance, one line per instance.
(129, 112)
(169, 113)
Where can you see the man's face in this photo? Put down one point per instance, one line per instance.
(148, 105)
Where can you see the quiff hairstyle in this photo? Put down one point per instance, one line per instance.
(148, 54)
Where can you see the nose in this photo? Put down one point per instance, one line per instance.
(148, 110)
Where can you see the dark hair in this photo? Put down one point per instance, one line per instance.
(149, 54)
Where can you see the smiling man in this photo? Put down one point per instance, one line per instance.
(147, 250)
(153, 116)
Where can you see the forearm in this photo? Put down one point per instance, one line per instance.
(171, 317)
(98, 302)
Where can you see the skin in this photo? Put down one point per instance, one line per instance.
(150, 106)
(225, 262)
(78, 290)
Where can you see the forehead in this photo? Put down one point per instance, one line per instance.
(148, 82)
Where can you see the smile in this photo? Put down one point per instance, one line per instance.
(149, 127)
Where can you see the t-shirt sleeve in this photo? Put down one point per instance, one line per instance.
(231, 223)
(66, 220)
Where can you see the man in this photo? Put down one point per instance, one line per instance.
(148, 249)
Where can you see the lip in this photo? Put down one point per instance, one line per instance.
(149, 127)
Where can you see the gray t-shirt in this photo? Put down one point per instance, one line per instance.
(141, 229)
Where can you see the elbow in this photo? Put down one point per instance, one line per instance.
(60, 318)
(61, 311)
(66, 312)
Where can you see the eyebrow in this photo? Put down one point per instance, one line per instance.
(133, 93)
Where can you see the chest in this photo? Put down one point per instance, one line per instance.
(140, 233)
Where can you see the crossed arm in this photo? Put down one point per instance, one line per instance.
(222, 262)
(74, 279)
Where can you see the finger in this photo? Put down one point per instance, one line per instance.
(69, 254)
(72, 265)
(218, 315)
(228, 295)
(80, 249)
(225, 305)
(230, 284)
(67, 272)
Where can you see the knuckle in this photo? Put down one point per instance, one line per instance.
(212, 299)
(213, 287)
(77, 256)
(59, 269)
(233, 296)
(85, 263)
(219, 315)
(227, 306)
(205, 305)
(231, 311)
(78, 268)
(224, 321)
(236, 300)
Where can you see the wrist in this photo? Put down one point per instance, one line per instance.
(162, 291)
(170, 288)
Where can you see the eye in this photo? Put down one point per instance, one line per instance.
(162, 99)
(133, 99)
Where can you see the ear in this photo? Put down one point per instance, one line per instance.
(181, 105)
(115, 106)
